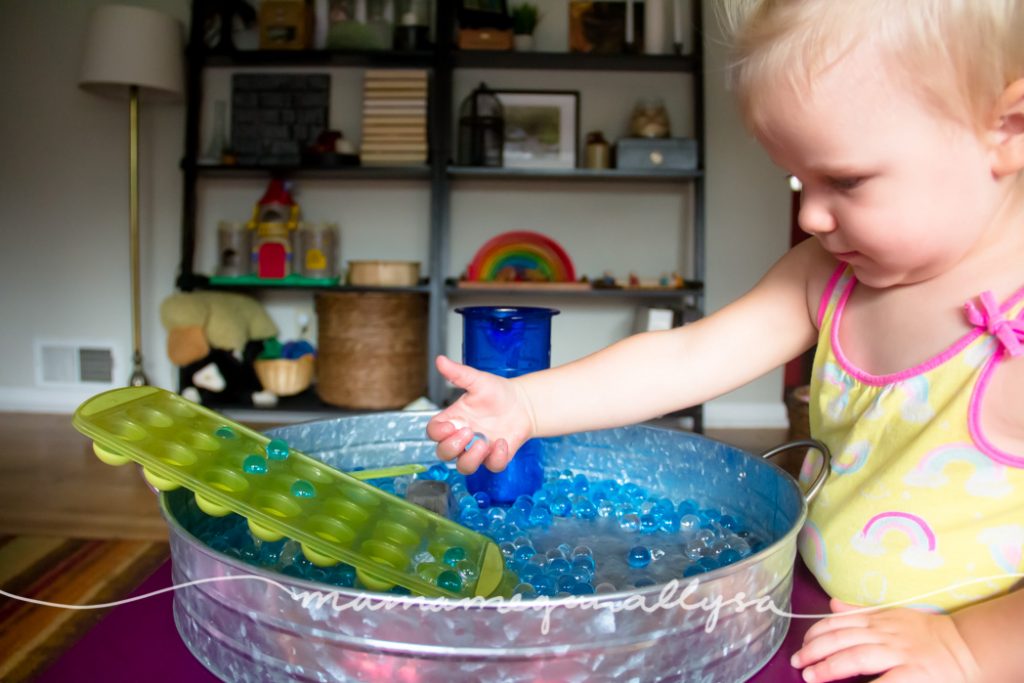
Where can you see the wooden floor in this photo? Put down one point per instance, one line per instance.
(52, 484)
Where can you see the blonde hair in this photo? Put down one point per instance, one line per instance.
(959, 54)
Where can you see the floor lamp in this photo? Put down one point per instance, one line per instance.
(132, 52)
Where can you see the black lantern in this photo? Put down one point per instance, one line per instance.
(481, 129)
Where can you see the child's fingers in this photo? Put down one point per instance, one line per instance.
(860, 659)
(832, 642)
(469, 462)
(835, 623)
(460, 375)
(439, 428)
(499, 458)
(455, 445)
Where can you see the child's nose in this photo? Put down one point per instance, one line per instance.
(815, 218)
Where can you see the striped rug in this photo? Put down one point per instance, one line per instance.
(67, 571)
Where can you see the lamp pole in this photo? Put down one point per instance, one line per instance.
(138, 376)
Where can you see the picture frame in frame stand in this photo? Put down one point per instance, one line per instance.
(541, 128)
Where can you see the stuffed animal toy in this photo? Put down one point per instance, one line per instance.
(214, 337)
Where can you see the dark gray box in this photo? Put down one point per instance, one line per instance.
(646, 154)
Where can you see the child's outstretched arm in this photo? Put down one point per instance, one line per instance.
(640, 377)
(983, 643)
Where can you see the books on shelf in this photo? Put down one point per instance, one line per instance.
(394, 117)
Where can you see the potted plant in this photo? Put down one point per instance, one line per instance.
(524, 20)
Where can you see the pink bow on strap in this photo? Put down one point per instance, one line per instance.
(1010, 333)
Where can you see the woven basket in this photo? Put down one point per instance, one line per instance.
(285, 377)
(372, 348)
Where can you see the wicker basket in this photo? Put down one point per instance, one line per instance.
(372, 348)
(383, 273)
(284, 376)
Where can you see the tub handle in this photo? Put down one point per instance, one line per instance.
(823, 472)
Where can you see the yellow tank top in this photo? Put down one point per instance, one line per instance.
(921, 509)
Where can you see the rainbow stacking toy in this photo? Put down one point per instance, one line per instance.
(284, 493)
(522, 251)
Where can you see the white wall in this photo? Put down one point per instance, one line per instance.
(64, 264)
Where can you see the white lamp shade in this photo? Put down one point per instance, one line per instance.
(127, 46)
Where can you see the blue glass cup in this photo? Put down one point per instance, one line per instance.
(509, 342)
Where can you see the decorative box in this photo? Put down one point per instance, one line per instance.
(485, 39)
(644, 154)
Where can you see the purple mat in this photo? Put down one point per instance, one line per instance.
(138, 641)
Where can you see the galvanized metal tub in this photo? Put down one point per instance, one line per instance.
(257, 629)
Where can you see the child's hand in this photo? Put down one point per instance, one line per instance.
(911, 646)
(492, 406)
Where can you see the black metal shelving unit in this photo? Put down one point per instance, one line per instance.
(440, 173)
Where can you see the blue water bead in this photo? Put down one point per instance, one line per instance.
(545, 585)
(694, 550)
(686, 507)
(551, 476)
(525, 591)
(580, 483)
(605, 508)
(524, 553)
(629, 490)
(400, 590)
(689, 522)
(585, 562)
(467, 502)
(542, 496)
(474, 519)
(693, 570)
(708, 563)
(483, 499)
(646, 507)
(566, 475)
(709, 515)
(255, 464)
(581, 573)
(437, 472)
(563, 487)
(648, 524)
(605, 587)
(558, 566)
(521, 541)
(524, 503)
(529, 573)
(343, 575)
(623, 509)
(729, 522)
(303, 489)
(225, 433)
(538, 560)
(270, 553)
(630, 522)
(519, 517)
(643, 582)
(454, 555)
(665, 506)
(250, 554)
(728, 556)
(582, 550)
(457, 485)
(638, 557)
(277, 449)
(706, 536)
(401, 485)
(565, 582)
(582, 588)
(540, 516)
(507, 549)
(561, 506)
(555, 554)
(670, 523)
(496, 513)
(450, 580)
(505, 532)
(585, 509)
(467, 570)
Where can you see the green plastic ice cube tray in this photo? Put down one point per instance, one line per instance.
(285, 493)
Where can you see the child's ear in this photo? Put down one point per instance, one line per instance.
(1007, 131)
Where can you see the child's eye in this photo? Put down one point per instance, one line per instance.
(846, 184)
